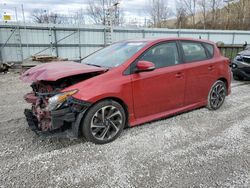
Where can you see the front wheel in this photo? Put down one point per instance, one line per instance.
(104, 122)
(217, 95)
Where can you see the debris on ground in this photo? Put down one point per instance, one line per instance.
(47, 58)
(4, 67)
(39, 59)
(200, 148)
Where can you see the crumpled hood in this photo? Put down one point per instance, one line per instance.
(57, 70)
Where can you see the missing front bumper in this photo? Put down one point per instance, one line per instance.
(65, 122)
(56, 121)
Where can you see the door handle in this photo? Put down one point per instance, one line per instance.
(178, 75)
(211, 67)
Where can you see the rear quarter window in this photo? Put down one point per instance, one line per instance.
(194, 51)
(210, 49)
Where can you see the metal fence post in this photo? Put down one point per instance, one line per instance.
(79, 43)
(233, 38)
(1, 57)
(55, 42)
(19, 40)
(51, 41)
(104, 35)
(143, 33)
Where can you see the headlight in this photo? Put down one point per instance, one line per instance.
(239, 58)
(57, 100)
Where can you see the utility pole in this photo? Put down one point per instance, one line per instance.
(25, 30)
(110, 20)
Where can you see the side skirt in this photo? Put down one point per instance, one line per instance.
(167, 114)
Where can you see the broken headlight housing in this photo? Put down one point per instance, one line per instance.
(57, 100)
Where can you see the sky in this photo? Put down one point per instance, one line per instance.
(133, 9)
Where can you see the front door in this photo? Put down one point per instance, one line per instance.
(162, 89)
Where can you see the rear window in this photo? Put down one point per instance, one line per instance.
(210, 49)
(194, 51)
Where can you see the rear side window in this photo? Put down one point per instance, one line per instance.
(194, 51)
(210, 49)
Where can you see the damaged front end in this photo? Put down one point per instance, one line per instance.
(54, 113)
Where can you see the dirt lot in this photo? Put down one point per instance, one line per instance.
(200, 148)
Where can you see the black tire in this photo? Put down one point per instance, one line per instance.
(104, 122)
(238, 77)
(217, 95)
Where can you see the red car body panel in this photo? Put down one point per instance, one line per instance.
(108, 85)
(147, 95)
(56, 70)
(158, 91)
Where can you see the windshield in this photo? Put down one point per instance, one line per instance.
(114, 55)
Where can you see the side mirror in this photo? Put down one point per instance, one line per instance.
(143, 66)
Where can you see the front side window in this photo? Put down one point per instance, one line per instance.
(162, 55)
(193, 51)
(114, 55)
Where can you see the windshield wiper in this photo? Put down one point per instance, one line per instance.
(98, 66)
(93, 65)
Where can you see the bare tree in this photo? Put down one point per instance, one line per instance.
(44, 16)
(203, 5)
(39, 16)
(228, 9)
(205, 11)
(213, 14)
(191, 8)
(181, 15)
(239, 11)
(215, 6)
(247, 15)
(159, 12)
(98, 10)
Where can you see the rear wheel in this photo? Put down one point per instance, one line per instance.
(217, 95)
(104, 122)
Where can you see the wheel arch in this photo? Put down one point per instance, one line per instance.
(116, 99)
(223, 79)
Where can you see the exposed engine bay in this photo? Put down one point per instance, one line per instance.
(47, 117)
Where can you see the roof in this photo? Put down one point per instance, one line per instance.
(168, 38)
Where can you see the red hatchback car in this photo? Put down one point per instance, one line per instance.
(125, 84)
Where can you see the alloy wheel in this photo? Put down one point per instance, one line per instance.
(218, 95)
(106, 123)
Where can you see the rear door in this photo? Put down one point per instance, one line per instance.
(201, 71)
(162, 89)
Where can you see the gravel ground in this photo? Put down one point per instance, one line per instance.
(200, 148)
